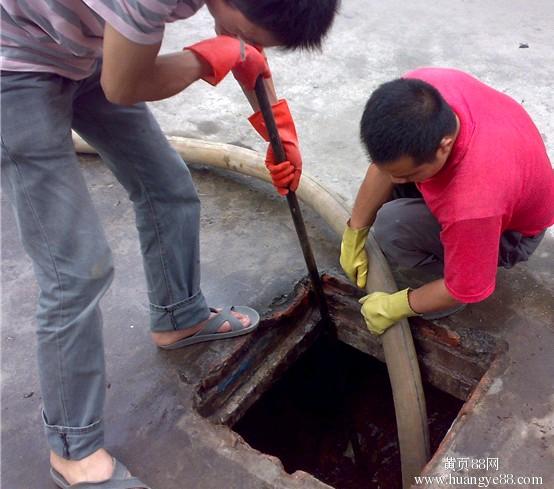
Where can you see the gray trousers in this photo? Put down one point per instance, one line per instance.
(60, 231)
(409, 236)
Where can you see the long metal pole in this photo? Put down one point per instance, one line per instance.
(280, 156)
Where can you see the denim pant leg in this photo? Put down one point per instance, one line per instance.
(61, 233)
(165, 201)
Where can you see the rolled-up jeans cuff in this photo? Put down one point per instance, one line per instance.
(181, 315)
(74, 443)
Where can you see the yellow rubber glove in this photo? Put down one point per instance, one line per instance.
(381, 310)
(353, 258)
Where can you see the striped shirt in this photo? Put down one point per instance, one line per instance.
(65, 36)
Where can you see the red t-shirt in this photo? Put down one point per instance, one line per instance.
(497, 178)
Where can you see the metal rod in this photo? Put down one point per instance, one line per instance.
(280, 156)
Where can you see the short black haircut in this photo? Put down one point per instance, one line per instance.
(405, 117)
(296, 23)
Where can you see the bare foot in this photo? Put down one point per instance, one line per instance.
(168, 337)
(97, 467)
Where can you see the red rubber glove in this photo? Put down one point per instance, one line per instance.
(285, 175)
(223, 54)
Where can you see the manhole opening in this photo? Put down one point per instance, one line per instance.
(332, 415)
(323, 404)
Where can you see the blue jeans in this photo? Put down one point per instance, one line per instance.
(60, 231)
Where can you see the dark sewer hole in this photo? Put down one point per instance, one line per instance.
(332, 415)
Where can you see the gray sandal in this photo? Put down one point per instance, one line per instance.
(120, 479)
(209, 331)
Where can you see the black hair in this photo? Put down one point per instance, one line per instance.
(405, 117)
(296, 23)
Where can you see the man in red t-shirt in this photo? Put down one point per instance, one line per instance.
(483, 194)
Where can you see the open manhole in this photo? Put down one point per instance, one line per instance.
(322, 403)
(332, 415)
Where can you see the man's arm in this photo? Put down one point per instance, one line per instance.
(471, 260)
(133, 72)
(431, 297)
(375, 190)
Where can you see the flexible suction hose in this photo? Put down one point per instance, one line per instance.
(400, 355)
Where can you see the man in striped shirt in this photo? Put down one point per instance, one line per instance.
(89, 65)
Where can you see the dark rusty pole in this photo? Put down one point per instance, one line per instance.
(280, 156)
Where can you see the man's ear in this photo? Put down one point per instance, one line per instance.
(445, 147)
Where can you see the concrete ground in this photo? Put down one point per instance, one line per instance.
(148, 411)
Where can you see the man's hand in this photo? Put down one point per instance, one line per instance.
(381, 310)
(224, 53)
(353, 257)
(285, 175)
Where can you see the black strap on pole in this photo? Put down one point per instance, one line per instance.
(280, 156)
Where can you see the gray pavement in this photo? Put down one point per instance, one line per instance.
(250, 253)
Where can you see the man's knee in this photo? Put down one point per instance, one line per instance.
(389, 224)
(171, 184)
(182, 186)
(407, 232)
(101, 266)
(71, 291)
(90, 271)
